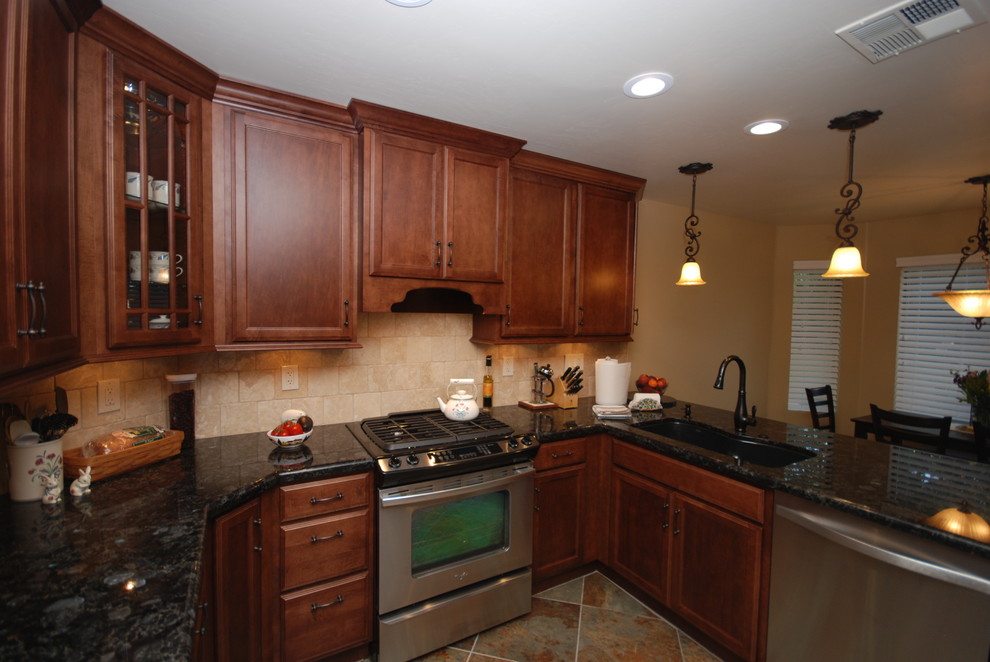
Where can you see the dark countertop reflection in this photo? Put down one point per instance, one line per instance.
(115, 575)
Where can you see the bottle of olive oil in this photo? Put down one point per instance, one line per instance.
(488, 385)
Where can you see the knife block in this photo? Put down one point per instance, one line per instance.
(560, 397)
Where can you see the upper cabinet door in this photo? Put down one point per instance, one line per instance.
(475, 215)
(405, 180)
(155, 278)
(293, 262)
(540, 279)
(38, 299)
(606, 262)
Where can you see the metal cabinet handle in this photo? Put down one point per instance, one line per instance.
(665, 524)
(339, 534)
(557, 456)
(581, 316)
(636, 318)
(40, 289)
(508, 315)
(30, 287)
(199, 302)
(439, 255)
(677, 511)
(313, 607)
(347, 312)
(339, 496)
(450, 253)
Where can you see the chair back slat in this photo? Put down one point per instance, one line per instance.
(895, 427)
(822, 407)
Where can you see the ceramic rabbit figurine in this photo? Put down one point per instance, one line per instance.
(53, 488)
(80, 486)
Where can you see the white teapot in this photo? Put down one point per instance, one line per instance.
(460, 406)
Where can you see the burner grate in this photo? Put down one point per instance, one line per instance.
(422, 428)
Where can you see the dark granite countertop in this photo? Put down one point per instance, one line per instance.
(114, 576)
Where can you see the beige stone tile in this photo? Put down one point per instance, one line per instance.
(255, 385)
(419, 324)
(369, 354)
(207, 421)
(217, 388)
(160, 366)
(458, 326)
(392, 401)
(81, 377)
(419, 349)
(89, 417)
(125, 371)
(306, 358)
(199, 363)
(354, 379)
(337, 409)
(309, 405)
(273, 359)
(143, 397)
(270, 414)
(239, 418)
(393, 350)
(367, 405)
(323, 381)
(235, 361)
(333, 358)
(465, 350)
(379, 325)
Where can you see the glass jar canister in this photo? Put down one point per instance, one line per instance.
(182, 406)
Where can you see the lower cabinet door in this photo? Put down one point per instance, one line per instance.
(558, 524)
(639, 539)
(717, 560)
(325, 619)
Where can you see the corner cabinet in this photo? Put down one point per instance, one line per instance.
(285, 177)
(38, 301)
(141, 109)
(695, 541)
(435, 201)
(571, 251)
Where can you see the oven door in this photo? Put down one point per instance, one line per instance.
(442, 535)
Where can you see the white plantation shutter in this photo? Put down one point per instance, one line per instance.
(934, 341)
(816, 316)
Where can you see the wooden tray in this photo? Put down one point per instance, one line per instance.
(123, 461)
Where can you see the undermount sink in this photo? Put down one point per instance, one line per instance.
(741, 447)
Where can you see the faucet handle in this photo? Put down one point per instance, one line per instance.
(752, 419)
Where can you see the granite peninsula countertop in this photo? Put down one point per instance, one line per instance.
(115, 575)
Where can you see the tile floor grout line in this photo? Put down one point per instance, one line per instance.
(577, 640)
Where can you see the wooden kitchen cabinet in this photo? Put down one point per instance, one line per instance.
(286, 177)
(695, 541)
(435, 200)
(571, 254)
(238, 584)
(38, 298)
(141, 185)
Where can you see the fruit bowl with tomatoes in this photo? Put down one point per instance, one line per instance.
(651, 384)
(294, 429)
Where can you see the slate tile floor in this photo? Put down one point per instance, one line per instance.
(588, 619)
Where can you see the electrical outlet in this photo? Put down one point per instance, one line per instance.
(508, 369)
(107, 396)
(290, 378)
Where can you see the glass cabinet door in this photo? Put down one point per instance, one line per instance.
(154, 235)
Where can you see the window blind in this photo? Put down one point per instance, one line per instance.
(934, 341)
(816, 315)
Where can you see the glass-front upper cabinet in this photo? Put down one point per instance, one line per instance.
(156, 256)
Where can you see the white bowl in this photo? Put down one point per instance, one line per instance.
(289, 441)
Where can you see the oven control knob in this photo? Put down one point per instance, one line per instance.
(527, 439)
(513, 443)
(394, 462)
(413, 459)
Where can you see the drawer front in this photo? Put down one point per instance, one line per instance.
(561, 454)
(325, 619)
(739, 498)
(323, 497)
(318, 549)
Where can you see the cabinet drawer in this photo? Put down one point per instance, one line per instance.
(561, 454)
(325, 619)
(322, 548)
(323, 497)
(742, 499)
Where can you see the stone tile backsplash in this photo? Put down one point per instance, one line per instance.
(405, 362)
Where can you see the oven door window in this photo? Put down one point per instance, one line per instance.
(457, 530)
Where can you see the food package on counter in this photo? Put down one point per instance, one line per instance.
(118, 440)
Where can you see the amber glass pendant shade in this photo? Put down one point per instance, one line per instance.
(846, 263)
(690, 274)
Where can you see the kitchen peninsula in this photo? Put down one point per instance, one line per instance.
(117, 573)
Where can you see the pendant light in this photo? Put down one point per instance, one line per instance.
(973, 303)
(846, 261)
(691, 271)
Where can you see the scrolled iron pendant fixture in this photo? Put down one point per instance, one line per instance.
(846, 260)
(691, 271)
(973, 303)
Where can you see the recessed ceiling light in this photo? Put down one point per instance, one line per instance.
(647, 85)
(766, 127)
(409, 3)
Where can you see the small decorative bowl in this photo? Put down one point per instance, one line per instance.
(290, 441)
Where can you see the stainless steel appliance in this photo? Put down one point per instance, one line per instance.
(454, 527)
(844, 588)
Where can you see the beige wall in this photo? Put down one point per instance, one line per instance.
(870, 305)
(685, 332)
(406, 361)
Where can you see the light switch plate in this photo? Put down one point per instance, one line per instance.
(508, 367)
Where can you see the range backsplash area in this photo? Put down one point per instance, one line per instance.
(406, 361)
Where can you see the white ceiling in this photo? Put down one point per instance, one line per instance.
(551, 72)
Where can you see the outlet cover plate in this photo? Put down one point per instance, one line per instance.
(290, 378)
(107, 396)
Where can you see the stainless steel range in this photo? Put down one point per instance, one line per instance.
(455, 505)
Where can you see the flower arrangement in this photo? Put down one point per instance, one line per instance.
(975, 386)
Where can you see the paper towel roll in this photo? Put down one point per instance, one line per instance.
(611, 381)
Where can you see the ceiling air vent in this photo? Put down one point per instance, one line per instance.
(910, 24)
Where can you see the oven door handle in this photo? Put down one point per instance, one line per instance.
(403, 499)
